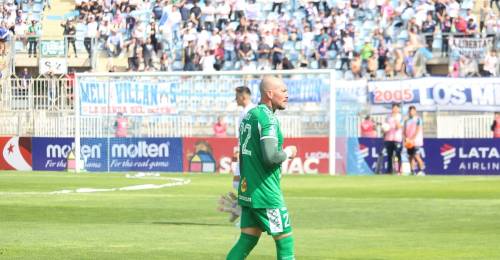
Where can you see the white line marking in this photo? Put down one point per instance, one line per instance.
(143, 176)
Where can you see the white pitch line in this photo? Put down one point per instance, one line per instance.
(174, 182)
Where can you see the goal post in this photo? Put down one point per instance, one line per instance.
(186, 104)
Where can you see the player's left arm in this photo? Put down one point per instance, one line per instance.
(269, 144)
(270, 154)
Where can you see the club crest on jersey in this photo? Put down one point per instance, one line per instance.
(244, 185)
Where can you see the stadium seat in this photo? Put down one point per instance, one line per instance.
(332, 54)
(38, 7)
(314, 64)
(36, 16)
(177, 65)
(26, 8)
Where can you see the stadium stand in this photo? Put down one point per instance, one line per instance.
(373, 39)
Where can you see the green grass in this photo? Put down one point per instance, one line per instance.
(378, 217)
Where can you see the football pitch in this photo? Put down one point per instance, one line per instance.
(370, 217)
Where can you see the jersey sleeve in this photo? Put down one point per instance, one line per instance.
(267, 127)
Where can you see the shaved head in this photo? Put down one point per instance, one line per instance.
(273, 92)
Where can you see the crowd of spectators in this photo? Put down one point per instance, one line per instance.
(369, 38)
(22, 20)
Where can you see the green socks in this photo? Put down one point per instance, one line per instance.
(284, 248)
(243, 247)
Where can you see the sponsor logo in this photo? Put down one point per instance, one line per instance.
(140, 150)
(363, 152)
(244, 185)
(275, 223)
(447, 152)
(244, 198)
(57, 151)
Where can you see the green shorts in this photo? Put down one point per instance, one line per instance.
(274, 221)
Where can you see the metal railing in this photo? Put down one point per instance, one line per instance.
(68, 47)
(32, 94)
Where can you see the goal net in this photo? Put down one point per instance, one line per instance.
(164, 122)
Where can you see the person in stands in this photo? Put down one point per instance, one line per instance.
(367, 128)
(121, 126)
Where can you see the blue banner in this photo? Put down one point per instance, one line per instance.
(429, 94)
(441, 156)
(463, 156)
(146, 154)
(299, 90)
(125, 154)
(50, 154)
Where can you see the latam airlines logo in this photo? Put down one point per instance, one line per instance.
(363, 152)
(447, 152)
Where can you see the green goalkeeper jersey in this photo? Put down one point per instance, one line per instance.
(260, 184)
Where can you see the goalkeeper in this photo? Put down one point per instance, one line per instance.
(228, 203)
(259, 191)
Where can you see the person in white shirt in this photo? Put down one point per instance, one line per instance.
(453, 9)
(229, 38)
(222, 12)
(174, 19)
(215, 39)
(91, 34)
(208, 15)
(207, 61)
(490, 64)
(228, 202)
(239, 9)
